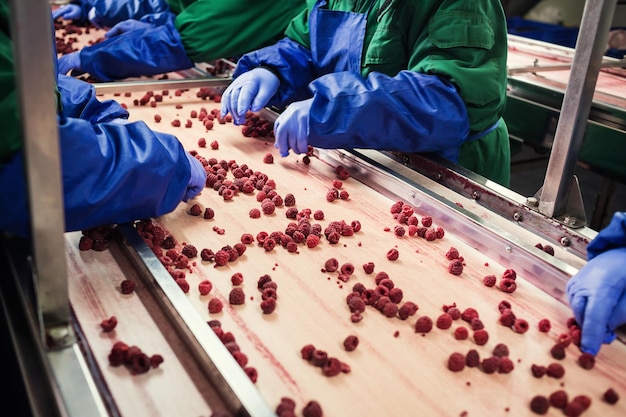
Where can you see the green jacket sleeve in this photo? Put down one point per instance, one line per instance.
(220, 29)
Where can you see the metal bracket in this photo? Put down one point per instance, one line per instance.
(575, 216)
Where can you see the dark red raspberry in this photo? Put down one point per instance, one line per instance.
(539, 404)
(481, 337)
(456, 362)
(350, 343)
(423, 325)
(544, 325)
(108, 324)
(237, 296)
(127, 286)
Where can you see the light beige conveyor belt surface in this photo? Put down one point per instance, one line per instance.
(394, 370)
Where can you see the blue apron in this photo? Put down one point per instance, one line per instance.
(331, 31)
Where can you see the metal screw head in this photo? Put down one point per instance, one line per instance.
(476, 195)
(532, 201)
(438, 176)
(565, 241)
(517, 217)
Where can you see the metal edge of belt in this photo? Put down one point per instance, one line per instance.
(218, 364)
(509, 205)
(397, 181)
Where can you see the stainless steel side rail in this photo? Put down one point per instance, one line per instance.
(32, 34)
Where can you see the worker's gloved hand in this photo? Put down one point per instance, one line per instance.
(252, 90)
(597, 295)
(69, 62)
(197, 180)
(68, 12)
(291, 128)
(127, 26)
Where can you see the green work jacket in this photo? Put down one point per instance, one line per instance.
(462, 41)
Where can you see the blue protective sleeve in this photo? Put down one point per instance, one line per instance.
(79, 100)
(110, 12)
(410, 112)
(139, 52)
(611, 237)
(112, 173)
(290, 61)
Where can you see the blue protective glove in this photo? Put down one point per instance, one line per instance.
(68, 12)
(291, 128)
(127, 26)
(197, 180)
(597, 295)
(252, 90)
(69, 62)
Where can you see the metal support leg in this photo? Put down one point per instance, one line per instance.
(558, 188)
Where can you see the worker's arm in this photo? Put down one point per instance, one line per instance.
(147, 52)
(112, 172)
(107, 13)
(597, 293)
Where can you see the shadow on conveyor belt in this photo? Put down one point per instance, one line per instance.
(14, 390)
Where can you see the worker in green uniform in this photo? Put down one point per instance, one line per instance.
(414, 75)
(191, 31)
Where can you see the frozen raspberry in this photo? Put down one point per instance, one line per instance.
(490, 365)
(506, 365)
(558, 351)
(455, 267)
(489, 280)
(268, 305)
(393, 254)
(127, 286)
(109, 324)
(472, 359)
(501, 350)
(538, 371)
(539, 404)
(507, 318)
(544, 325)
(507, 285)
(444, 321)
(215, 305)
(237, 296)
(469, 314)
(190, 251)
(453, 253)
(350, 343)
(312, 409)
(183, 284)
(509, 273)
(610, 396)
(456, 362)
(520, 326)
(555, 370)
(586, 360)
(368, 267)
(423, 325)
(558, 399)
(481, 337)
(427, 221)
(205, 287)
(461, 333)
(268, 158)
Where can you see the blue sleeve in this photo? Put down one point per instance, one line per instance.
(146, 52)
(611, 237)
(107, 13)
(79, 100)
(410, 112)
(112, 173)
(290, 61)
